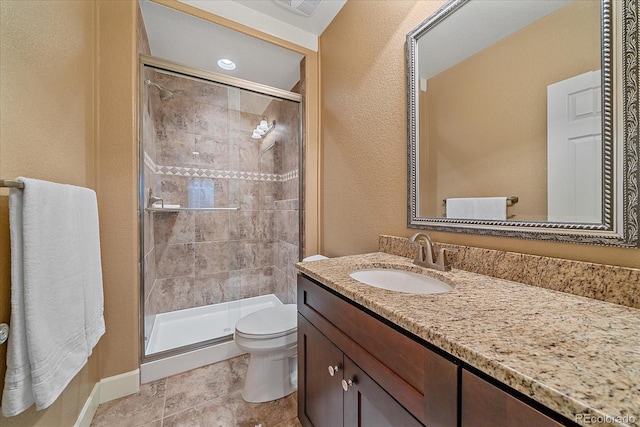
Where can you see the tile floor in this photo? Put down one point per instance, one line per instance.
(207, 396)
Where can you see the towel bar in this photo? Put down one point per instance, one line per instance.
(9, 183)
(510, 200)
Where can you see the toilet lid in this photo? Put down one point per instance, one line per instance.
(269, 321)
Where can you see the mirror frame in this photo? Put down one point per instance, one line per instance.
(621, 147)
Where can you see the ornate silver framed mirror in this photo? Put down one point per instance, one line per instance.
(523, 120)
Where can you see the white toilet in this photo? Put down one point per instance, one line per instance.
(270, 337)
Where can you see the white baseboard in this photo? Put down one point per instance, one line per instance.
(105, 390)
(119, 386)
(90, 407)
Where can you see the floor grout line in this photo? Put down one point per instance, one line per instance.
(164, 401)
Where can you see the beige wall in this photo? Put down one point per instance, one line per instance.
(47, 131)
(117, 154)
(68, 118)
(363, 111)
(500, 147)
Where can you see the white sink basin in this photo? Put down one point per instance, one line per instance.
(401, 281)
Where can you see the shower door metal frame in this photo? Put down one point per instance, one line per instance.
(184, 71)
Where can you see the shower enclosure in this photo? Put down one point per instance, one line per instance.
(219, 203)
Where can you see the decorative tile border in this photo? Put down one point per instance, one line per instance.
(216, 173)
(618, 285)
(289, 176)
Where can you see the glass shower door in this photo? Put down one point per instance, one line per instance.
(221, 214)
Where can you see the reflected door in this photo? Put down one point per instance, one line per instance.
(574, 149)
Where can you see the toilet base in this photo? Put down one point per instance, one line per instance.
(270, 377)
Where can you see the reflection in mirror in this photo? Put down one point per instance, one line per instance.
(486, 114)
(516, 99)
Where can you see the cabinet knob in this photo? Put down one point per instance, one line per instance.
(346, 384)
(333, 370)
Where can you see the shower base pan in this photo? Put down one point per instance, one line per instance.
(194, 325)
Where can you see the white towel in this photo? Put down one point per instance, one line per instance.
(487, 208)
(56, 291)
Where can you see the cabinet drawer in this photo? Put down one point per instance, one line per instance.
(484, 404)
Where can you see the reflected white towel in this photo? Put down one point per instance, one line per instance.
(460, 208)
(491, 208)
(56, 291)
(487, 208)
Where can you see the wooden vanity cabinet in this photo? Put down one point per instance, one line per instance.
(485, 405)
(349, 397)
(395, 379)
(389, 379)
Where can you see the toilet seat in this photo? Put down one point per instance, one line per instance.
(269, 323)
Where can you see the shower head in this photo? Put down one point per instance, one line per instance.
(164, 94)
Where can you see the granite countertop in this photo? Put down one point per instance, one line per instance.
(574, 355)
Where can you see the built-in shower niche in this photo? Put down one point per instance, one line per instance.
(228, 238)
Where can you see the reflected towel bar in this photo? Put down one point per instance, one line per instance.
(11, 184)
(189, 209)
(510, 200)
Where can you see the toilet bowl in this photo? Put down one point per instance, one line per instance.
(270, 337)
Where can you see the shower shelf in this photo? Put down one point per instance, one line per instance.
(189, 209)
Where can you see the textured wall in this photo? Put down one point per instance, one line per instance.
(117, 156)
(47, 130)
(363, 110)
(363, 118)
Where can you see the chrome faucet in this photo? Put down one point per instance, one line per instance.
(426, 256)
(154, 199)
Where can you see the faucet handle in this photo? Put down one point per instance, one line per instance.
(420, 257)
(443, 259)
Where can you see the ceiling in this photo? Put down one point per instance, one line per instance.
(197, 43)
(271, 17)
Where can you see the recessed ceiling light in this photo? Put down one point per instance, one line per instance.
(226, 64)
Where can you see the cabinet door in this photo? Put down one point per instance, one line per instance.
(485, 405)
(320, 401)
(366, 404)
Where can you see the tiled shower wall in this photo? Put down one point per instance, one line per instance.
(201, 258)
(286, 248)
